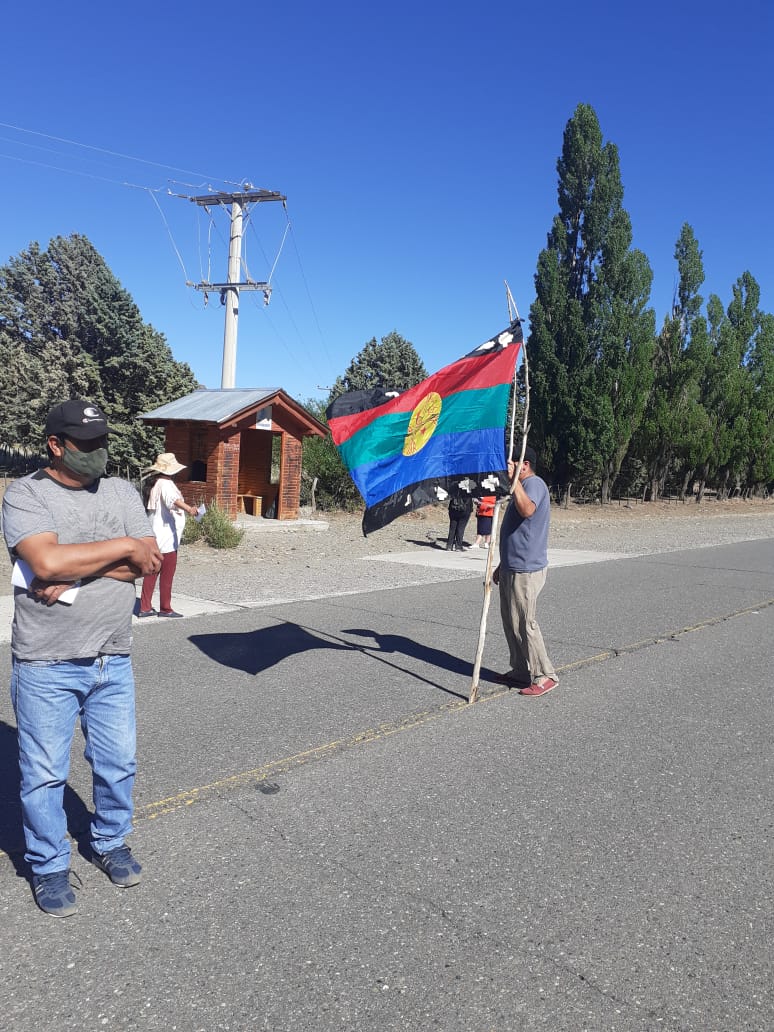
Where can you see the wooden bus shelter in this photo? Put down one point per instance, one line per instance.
(226, 439)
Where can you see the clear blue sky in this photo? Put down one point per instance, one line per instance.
(416, 143)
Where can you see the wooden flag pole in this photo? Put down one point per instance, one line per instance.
(513, 313)
(525, 422)
(487, 598)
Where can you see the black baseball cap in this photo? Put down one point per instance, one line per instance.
(79, 419)
(530, 456)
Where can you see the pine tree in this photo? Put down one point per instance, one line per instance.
(392, 364)
(68, 329)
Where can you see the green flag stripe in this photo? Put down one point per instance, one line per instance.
(465, 410)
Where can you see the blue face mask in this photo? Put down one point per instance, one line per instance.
(86, 464)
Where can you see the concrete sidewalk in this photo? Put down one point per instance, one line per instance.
(474, 559)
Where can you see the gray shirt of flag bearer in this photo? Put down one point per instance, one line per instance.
(524, 540)
(99, 621)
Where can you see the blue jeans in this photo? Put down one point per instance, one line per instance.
(48, 697)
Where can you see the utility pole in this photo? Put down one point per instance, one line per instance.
(230, 290)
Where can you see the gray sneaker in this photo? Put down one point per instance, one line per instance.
(120, 866)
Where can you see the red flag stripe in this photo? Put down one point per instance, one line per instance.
(469, 373)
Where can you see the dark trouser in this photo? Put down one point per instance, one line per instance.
(456, 530)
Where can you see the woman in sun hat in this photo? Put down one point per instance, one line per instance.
(167, 508)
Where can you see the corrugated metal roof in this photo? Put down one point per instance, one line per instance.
(212, 405)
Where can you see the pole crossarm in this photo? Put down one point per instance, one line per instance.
(241, 197)
(247, 285)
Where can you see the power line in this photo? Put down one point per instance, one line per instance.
(310, 355)
(114, 154)
(169, 231)
(76, 172)
(309, 293)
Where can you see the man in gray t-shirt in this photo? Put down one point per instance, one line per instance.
(521, 576)
(78, 540)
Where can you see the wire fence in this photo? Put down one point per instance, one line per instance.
(18, 462)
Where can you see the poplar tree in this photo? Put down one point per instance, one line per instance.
(759, 468)
(727, 386)
(591, 333)
(672, 417)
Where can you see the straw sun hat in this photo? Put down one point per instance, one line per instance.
(166, 463)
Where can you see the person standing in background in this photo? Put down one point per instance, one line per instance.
(167, 508)
(484, 512)
(460, 508)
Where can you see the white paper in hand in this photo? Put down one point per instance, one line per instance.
(22, 576)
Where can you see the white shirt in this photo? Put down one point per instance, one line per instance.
(167, 520)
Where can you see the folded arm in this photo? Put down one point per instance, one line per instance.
(123, 558)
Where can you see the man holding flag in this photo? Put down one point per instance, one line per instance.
(521, 576)
(445, 437)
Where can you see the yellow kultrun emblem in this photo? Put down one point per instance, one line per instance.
(422, 424)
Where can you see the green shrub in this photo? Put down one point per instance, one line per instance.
(215, 528)
(334, 489)
(193, 532)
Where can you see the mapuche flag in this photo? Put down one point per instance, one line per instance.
(446, 436)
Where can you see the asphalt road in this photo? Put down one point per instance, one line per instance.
(334, 839)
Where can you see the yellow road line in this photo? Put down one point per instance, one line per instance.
(151, 811)
(171, 804)
(635, 646)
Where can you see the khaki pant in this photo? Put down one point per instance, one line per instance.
(518, 608)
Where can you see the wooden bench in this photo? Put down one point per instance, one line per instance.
(250, 504)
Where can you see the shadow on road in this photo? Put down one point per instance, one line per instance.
(399, 643)
(11, 828)
(256, 651)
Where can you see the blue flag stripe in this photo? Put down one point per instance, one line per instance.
(444, 455)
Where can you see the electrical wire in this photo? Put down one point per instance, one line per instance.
(279, 252)
(75, 172)
(210, 226)
(169, 231)
(309, 296)
(57, 153)
(246, 222)
(114, 154)
(310, 357)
